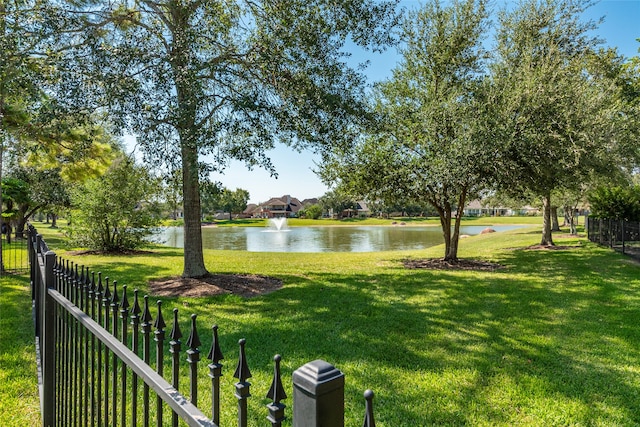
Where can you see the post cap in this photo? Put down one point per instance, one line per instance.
(318, 377)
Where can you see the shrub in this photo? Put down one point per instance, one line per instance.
(616, 203)
(116, 212)
(313, 212)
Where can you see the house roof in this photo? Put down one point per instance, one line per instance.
(289, 203)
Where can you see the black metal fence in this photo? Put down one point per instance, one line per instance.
(14, 255)
(94, 357)
(623, 236)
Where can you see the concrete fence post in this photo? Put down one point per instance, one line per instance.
(318, 395)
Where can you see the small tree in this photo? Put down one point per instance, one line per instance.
(313, 211)
(116, 212)
(431, 146)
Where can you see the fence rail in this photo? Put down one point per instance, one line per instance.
(94, 350)
(623, 236)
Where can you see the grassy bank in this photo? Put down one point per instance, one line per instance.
(550, 339)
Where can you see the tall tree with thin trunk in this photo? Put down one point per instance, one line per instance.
(208, 81)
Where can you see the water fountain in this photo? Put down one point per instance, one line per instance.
(277, 224)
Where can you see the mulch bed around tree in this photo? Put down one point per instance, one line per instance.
(246, 285)
(471, 264)
(549, 247)
(441, 264)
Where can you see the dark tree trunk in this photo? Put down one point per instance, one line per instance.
(193, 254)
(554, 219)
(20, 223)
(445, 222)
(547, 238)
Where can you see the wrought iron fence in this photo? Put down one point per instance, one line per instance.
(95, 349)
(623, 236)
(14, 255)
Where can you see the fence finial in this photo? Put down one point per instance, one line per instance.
(276, 394)
(146, 313)
(242, 372)
(368, 415)
(193, 357)
(106, 296)
(176, 333)
(175, 345)
(100, 287)
(92, 285)
(124, 303)
(136, 310)
(276, 391)
(215, 372)
(215, 354)
(159, 324)
(114, 295)
(242, 386)
(194, 340)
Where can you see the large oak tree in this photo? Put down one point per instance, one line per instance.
(225, 79)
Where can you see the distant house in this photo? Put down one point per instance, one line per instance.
(362, 208)
(278, 207)
(250, 211)
(359, 210)
(477, 208)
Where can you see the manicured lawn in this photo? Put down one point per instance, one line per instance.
(550, 339)
(19, 400)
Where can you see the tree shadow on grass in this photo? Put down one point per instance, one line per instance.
(551, 339)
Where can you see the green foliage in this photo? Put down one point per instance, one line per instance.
(14, 192)
(117, 211)
(216, 198)
(336, 201)
(430, 148)
(311, 212)
(560, 118)
(225, 78)
(616, 203)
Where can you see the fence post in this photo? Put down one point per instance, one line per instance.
(318, 395)
(48, 342)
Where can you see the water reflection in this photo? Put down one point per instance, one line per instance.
(318, 239)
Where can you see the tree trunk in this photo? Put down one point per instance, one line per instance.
(54, 220)
(445, 221)
(547, 238)
(554, 219)
(1, 155)
(452, 254)
(571, 212)
(193, 254)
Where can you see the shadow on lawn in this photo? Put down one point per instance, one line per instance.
(551, 339)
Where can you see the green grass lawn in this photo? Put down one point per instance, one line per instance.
(19, 400)
(550, 339)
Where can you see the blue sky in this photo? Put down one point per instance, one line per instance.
(620, 29)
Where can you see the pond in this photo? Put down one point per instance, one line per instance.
(319, 239)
